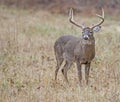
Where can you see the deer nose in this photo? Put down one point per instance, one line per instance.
(85, 37)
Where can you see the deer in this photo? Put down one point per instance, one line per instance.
(79, 50)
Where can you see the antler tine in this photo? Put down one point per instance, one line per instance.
(72, 20)
(101, 17)
(102, 14)
(71, 14)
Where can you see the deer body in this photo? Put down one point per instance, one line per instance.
(76, 49)
(73, 48)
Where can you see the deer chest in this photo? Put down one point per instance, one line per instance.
(85, 53)
(88, 52)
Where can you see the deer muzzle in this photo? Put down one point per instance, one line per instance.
(86, 37)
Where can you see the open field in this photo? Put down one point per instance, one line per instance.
(27, 61)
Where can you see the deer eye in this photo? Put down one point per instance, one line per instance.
(91, 32)
(82, 32)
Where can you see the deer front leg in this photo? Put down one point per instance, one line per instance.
(87, 69)
(79, 71)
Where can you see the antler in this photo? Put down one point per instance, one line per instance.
(101, 17)
(72, 20)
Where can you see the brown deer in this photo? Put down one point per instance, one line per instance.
(76, 49)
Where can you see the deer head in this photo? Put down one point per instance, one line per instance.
(87, 32)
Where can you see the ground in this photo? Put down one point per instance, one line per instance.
(27, 61)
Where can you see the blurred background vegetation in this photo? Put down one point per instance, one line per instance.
(28, 30)
(62, 6)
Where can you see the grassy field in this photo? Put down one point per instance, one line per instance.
(27, 61)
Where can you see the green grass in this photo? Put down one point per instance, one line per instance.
(27, 61)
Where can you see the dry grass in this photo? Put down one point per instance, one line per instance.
(27, 62)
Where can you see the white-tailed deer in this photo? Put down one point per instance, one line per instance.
(76, 49)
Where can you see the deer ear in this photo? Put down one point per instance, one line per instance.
(96, 28)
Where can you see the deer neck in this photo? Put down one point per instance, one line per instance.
(88, 48)
(88, 42)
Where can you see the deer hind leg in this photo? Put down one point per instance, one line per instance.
(87, 69)
(59, 63)
(58, 54)
(65, 70)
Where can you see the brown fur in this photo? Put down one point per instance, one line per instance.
(74, 49)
